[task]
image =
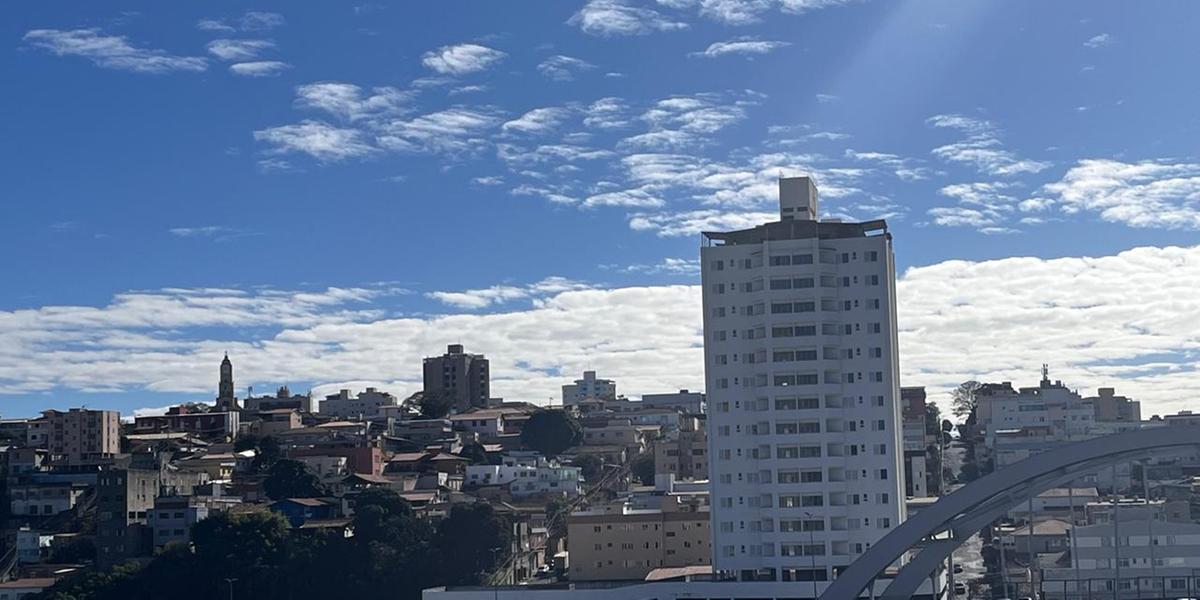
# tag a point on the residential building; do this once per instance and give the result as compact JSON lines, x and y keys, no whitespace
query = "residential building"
{"x":226,"y":397}
{"x":691,"y":403}
{"x":125,"y":498}
{"x":276,"y":421}
{"x":1048,"y":536}
{"x":206,"y":425}
{"x":620,"y":542}
{"x":489,"y":423}
{"x":1110,"y":407}
{"x":618,"y":431}
{"x":20,"y":588}
{"x":81,"y":436}
{"x":422,"y":432}
{"x":1059,"y":503}
{"x":1138,"y":509}
{"x":463,"y":377}
{"x":1050,"y":404}
{"x":283,"y":398}
{"x":588,"y":388}
{"x":44,"y":498}
{"x":171,"y":518}
{"x":527,"y":474}
{"x":365,"y":405}
{"x":916,"y":441}
{"x":801,"y":371}
{"x":682,"y":453}
{"x":1150,"y":559}
{"x":366,"y":460}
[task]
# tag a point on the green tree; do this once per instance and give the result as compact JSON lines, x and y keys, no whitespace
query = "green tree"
{"x":557,"y":510}
{"x":267,"y":452}
{"x":475,"y":453}
{"x":962,"y":399}
{"x":590,"y":466}
{"x":472,"y":541}
{"x":643,"y":468}
{"x":551,"y":432}
{"x":292,"y":479}
{"x":435,"y":404}
{"x":933,"y":418}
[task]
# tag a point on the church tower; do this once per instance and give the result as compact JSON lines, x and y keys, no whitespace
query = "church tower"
{"x":226,"y":401}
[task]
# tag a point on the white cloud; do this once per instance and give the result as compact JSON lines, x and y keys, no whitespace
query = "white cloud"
{"x":239,"y":50}
{"x":111,"y":51}
{"x":320,"y":140}
{"x":743,"y":46}
{"x":1158,"y":194}
{"x":260,"y":21}
{"x":348,"y":102}
{"x":538,"y":121}
{"x":563,"y":68}
{"x":690,"y":223}
{"x":250,"y":21}
{"x":745,"y":12}
{"x":991,"y":320}
{"x":1098,"y":41}
{"x":455,"y":129}
{"x":502,"y":294}
{"x":491,"y":180}
{"x":981,"y":148}
{"x":607,"y":113}
{"x":617,"y":17}
{"x":462,"y":59}
{"x":827,"y":98}
{"x":668,"y":266}
{"x":259,"y":68}
{"x":645,"y":197}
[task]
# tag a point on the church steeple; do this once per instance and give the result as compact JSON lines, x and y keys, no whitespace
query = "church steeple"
{"x":226,"y":401}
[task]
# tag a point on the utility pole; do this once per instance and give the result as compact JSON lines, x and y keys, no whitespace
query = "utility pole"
{"x":812,"y":558}
{"x":230,"y":580}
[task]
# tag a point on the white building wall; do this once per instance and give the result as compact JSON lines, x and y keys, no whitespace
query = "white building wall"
{"x":842,"y":409}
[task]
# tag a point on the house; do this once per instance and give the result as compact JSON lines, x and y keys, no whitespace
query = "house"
{"x":298,"y":511}
{"x":527,"y":475}
{"x":20,"y":588}
{"x":44,"y":498}
{"x":1048,"y":536}
{"x":207,"y":425}
{"x":277,"y":420}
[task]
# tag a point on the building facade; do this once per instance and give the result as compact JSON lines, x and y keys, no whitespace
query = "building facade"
{"x":619,"y":542}
{"x":801,"y":373}
{"x":465,"y":378}
{"x":82,"y":436}
{"x":588,"y":388}
{"x":691,"y":403}
{"x":365,"y":405}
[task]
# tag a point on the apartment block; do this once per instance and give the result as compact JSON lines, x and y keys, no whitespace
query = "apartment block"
{"x":588,"y":388}
{"x":463,"y":377}
{"x":621,"y":542}
{"x":801,"y":372}
{"x":81,"y":436}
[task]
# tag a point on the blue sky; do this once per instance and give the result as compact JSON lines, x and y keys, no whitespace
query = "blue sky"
{"x":331,"y":192}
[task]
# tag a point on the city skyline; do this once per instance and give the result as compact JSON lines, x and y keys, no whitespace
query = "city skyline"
{"x":371,"y":201}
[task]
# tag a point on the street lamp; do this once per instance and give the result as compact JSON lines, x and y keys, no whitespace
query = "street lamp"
{"x":230,"y":580}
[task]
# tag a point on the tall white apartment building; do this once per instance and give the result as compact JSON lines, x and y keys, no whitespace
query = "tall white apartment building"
{"x":801,"y":368}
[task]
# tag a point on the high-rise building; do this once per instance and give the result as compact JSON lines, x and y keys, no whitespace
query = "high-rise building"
{"x":81,"y":435}
{"x":226,"y":399}
{"x":803,"y":402}
{"x":464,"y":377}
{"x":588,"y":388}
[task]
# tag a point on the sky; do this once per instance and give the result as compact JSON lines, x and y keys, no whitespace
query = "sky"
{"x":329,"y":191}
